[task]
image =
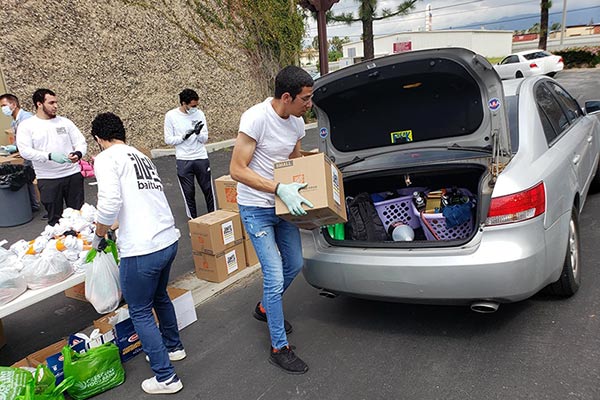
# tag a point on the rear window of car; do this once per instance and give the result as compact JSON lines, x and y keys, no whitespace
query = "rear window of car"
{"x":400,"y":104}
{"x":537,"y":54}
{"x":513,"y":121}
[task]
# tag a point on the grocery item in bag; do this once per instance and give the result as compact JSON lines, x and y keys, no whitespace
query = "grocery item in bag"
{"x":12,"y":285}
{"x":46,"y":269}
{"x":96,"y":371}
{"x":102,"y":287}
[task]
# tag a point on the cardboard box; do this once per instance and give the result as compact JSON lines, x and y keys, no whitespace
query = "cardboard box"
{"x":325,"y":190}
{"x":226,"y":189}
{"x":52,"y":357}
{"x":218,"y":267}
{"x":22,"y":363}
{"x":214,"y":232}
{"x":184,"y":306}
{"x":250,"y":253}
{"x":8,"y":137}
{"x":2,"y":337}
{"x":13,"y":159}
{"x":76,"y":292}
{"x":122,"y":334}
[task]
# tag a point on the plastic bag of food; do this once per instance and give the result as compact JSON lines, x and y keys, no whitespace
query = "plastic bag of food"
{"x":46,"y":269}
{"x":102,"y":287}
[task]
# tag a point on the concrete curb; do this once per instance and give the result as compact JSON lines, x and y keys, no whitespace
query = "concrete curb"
{"x":211,"y":146}
{"x":203,"y":290}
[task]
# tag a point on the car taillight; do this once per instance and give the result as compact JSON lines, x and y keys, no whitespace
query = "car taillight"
{"x":560,"y":60}
{"x":517,"y":207}
{"x":533,"y":65}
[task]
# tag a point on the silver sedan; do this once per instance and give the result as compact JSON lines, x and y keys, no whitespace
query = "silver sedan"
{"x":525,"y":151}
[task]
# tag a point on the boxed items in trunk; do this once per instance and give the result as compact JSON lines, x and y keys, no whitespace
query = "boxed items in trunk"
{"x":423,"y":205}
{"x":325,"y":190}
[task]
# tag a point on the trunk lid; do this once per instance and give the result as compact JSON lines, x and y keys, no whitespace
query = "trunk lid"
{"x":438,"y":99}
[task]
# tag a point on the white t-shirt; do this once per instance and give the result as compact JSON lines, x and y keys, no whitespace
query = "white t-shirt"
{"x":275,"y":138}
{"x":130,"y":191}
{"x":177,"y":125}
{"x":37,"y":137}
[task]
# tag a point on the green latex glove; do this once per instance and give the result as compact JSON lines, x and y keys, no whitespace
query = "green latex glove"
{"x":60,"y":158}
{"x":288,"y":193}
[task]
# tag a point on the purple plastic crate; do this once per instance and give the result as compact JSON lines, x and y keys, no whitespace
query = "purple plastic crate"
{"x":398,"y":209}
{"x":437,"y":223}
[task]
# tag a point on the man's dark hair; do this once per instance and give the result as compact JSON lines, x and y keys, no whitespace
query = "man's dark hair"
{"x":292,"y":79}
{"x":187,"y":96}
{"x":11,"y":98}
{"x":108,"y":126}
{"x":39,"y":96}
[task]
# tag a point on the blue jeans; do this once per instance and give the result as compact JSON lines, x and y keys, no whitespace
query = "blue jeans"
{"x":279,"y":250}
{"x":144,"y":282}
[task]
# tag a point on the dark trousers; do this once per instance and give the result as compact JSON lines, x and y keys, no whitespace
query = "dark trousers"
{"x":55,"y":192}
{"x":187,"y":170}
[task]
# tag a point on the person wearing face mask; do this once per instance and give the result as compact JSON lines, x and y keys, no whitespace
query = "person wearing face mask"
{"x":185,"y":128}
{"x":12,"y":108}
{"x":54,"y":145}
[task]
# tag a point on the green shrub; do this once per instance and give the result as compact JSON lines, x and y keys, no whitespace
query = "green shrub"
{"x":580,"y":57}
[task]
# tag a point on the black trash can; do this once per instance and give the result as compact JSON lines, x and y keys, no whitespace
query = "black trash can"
{"x":15,"y":207}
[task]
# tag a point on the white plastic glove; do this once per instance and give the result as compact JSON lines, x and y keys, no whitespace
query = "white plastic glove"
{"x":288,"y":193}
{"x":11,"y":148}
{"x":60,"y":158}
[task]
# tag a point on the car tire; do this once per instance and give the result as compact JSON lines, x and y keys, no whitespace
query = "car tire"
{"x":570,"y":277}
{"x":519,"y":74}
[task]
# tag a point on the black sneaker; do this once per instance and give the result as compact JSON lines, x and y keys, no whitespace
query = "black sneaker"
{"x":287,"y":360}
{"x":261,"y":315}
{"x":45,"y":216}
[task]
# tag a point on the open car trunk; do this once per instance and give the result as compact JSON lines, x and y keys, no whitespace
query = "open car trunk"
{"x":392,"y":195}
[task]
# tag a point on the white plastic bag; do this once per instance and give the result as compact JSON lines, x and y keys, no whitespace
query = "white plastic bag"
{"x":12,"y":283}
{"x":46,"y":269}
{"x":102,"y":287}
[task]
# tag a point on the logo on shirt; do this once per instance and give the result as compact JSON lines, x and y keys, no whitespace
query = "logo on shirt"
{"x":61,"y":130}
{"x":145,"y":171}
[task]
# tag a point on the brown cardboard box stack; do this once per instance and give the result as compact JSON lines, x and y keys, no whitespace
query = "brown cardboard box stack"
{"x":325,"y":190}
{"x":217,"y":245}
{"x":226,"y":189}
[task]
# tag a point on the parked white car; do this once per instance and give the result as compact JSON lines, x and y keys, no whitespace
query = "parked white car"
{"x":529,"y":63}
{"x":523,"y":151}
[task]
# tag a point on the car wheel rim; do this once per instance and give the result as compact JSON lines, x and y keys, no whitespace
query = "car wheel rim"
{"x":573,"y":248}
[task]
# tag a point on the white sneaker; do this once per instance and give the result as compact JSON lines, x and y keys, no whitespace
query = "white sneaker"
{"x":176,"y":355}
{"x":170,"y":386}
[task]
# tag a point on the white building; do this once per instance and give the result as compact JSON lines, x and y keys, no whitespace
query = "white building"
{"x":486,"y":43}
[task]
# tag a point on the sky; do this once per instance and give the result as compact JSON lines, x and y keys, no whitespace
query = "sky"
{"x":461,"y":14}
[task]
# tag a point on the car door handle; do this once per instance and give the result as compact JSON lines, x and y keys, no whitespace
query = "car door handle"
{"x":576,"y":159}
{"x":589,"y":139}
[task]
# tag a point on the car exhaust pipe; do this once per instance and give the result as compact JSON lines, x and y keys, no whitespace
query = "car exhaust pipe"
{"x":485,"y":307}
{"x":327,"y":294}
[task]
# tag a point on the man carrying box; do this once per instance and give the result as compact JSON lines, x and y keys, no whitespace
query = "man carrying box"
{"x":130,"y":191}
{"x":269,"y":132}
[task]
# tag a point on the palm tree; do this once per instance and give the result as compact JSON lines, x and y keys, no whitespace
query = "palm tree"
{"x":545,"y":4}
{"x":367,"y":13}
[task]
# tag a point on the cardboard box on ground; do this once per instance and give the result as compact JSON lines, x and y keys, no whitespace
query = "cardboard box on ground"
{"x":217,"y":245}
{"x":122,"y":334}
{"x":325,"y":190}
{"x":226,"y":189}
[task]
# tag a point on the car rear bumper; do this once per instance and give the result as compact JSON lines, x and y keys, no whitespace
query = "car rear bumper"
{"x":500,"y":264}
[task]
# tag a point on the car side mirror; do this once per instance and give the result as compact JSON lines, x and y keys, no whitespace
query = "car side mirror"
{"x":592,"y":106}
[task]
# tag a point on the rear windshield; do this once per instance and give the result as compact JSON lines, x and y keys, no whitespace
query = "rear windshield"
{"x":537,"y":54}
{"x":401,"y":104}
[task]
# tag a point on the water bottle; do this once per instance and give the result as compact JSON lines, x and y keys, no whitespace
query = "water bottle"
{"x":401,"y":232}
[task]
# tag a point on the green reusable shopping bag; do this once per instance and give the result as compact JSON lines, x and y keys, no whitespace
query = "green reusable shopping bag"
{"x":43,"y":390}
{"x":95,"y":371}
{"x":13,"y":382}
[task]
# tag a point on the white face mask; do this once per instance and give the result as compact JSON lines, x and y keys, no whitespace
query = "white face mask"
{"x":6,"y":111}
{"x":192,"y":110}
